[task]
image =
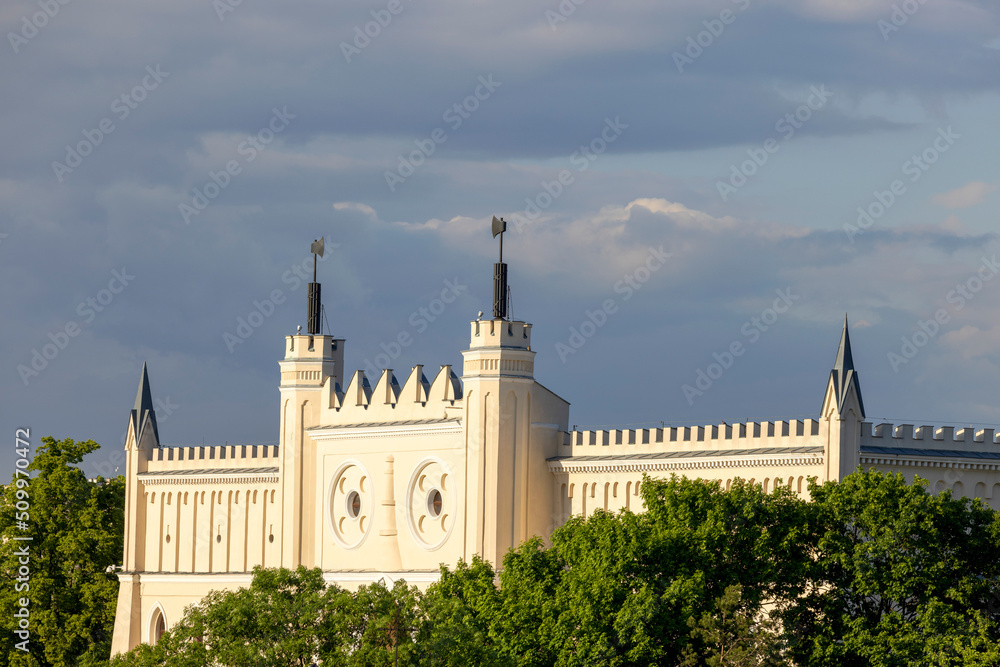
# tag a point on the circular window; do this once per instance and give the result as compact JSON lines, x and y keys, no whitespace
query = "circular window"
{"x":353,"y":504}
{"x":434,"y":503}
{"x":350,"y":505}
{"x":430,"y":504}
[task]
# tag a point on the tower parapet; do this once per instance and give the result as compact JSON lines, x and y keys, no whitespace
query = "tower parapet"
{"x":310,"y":360}
{"x":499,"y":348}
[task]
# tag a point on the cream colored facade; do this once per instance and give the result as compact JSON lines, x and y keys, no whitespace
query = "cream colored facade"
{"x":388,"y":481}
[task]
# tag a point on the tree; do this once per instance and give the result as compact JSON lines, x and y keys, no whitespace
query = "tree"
{"x":619,"y":589}
{"x":459,"y":612}
{"x":285,"y":618}
{"x":733,"y":637}
{"x":901,"y":577}
{"x":77,"y":530}
{"x":377,"y":627}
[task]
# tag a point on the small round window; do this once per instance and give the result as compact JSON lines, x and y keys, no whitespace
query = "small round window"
{"x":434,"y":503}
{"x":353,"y":504}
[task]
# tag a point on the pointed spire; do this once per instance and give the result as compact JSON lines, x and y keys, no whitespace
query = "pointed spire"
{"x":845,"y":361}
{"x":844,"y":375}
{"x":144,"y":404}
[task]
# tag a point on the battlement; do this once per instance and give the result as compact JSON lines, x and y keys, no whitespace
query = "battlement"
{"x":929,"y":437}
{"x":500,"y":333}
{"x":749,"y":435}
{"x":417,"y":398}
{"x":212,"y":457}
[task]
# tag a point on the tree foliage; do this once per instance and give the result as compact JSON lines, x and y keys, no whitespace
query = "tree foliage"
{"x":901,"y":577}
{"x":872,"y":571}
{"x":77,"y":529}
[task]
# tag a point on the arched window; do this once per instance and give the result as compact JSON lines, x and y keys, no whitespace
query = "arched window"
{"x":157,"y":625}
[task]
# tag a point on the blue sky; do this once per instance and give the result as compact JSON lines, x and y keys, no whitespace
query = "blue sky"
{"x":172,"y":162}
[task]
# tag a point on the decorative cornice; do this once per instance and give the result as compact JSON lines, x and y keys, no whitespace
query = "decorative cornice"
{"x":362,"y":576}
{"x":385,"y":430}
{"x":929,"y":463}
{"x":268,"y":475}
{"x":645,"y":465}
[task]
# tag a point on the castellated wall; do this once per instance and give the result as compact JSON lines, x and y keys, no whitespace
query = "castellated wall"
{"x":966,"y":461}
{"x":604,"y":469}
{"x":210,"y":509}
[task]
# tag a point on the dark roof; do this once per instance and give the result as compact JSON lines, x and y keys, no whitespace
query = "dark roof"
{"x":144,"y":404}
{"x":844,"y":374}
{"x":757,"y":451}
{"x":212,"y":471}
{"x":408,"y":422}
{"x":908,"y":451}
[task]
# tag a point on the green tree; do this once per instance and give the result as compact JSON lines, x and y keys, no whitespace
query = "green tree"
{"x":77,"y":529}
{"x":618,"y":589}
{"x":377,"y":626}
{"x":458,"y":613}
{"x":901,"y":577}
{"x":732,"y":637}
{"x":284,"y":619}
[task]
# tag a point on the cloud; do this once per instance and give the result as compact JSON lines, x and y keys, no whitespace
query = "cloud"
{"x":968,"y":195}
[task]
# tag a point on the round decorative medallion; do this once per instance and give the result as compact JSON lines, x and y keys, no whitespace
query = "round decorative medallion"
{"x":351,"y":504}
{"x":430,"y":503}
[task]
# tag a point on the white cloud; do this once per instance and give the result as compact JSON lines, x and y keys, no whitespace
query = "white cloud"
{"x":968,"y":195}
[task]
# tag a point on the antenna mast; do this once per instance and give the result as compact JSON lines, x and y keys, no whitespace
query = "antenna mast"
{"x":314,"y":323}
{"x":499,"y":274}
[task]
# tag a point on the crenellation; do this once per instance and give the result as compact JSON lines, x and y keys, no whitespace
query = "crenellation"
{"x":945,"y":433}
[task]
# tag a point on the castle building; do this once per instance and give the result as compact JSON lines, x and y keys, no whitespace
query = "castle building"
{"x":376,"y":480}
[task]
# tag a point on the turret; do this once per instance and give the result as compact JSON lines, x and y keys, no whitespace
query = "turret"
{"x":313,"y":367}
{"x":498,"y":377}
{"x":142,"y":438}
{"x":844,"y":409}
